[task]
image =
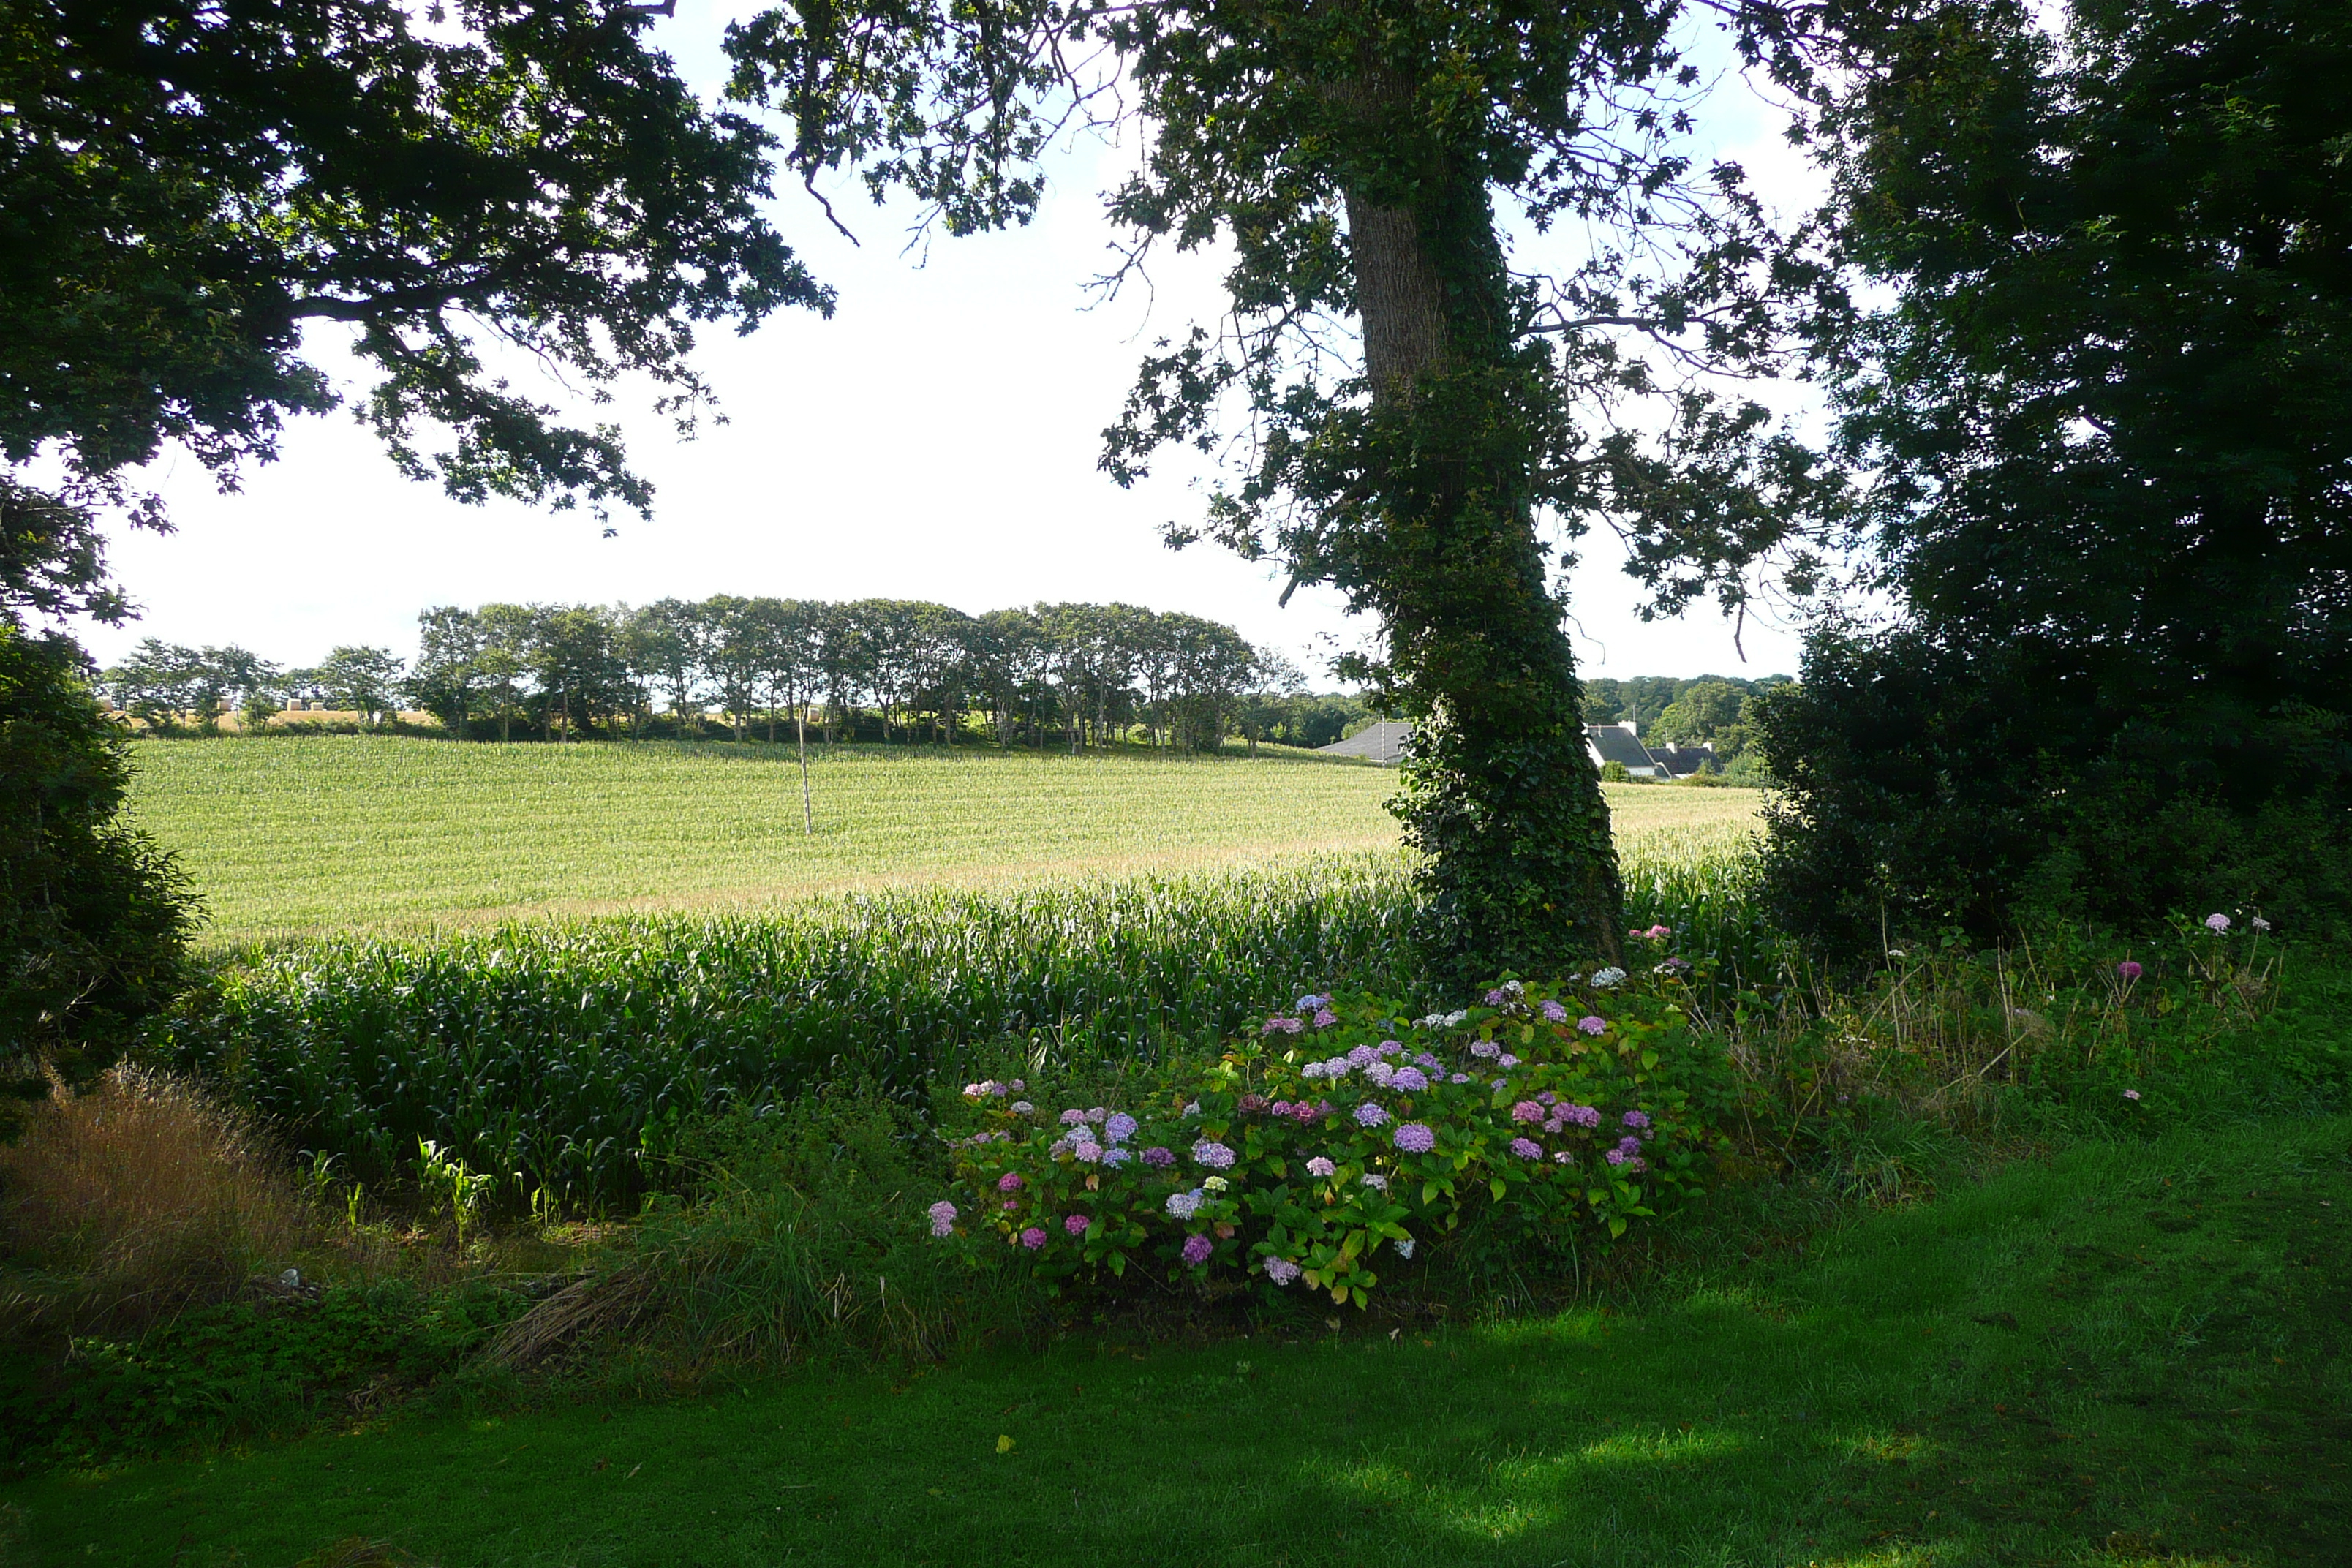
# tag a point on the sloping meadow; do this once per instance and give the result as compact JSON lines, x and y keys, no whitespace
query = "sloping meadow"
{"x":566,"y":1057}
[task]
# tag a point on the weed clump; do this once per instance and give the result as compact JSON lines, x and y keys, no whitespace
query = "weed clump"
{"x":142,"y":1196}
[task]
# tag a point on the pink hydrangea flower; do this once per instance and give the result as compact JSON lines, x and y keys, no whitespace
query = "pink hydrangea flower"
{"x":1010,"y":1182}
{"x":1526,"y":1111}
{"x":1320,"y":1166}
{"x":943,"y":1217}
{"x":1591,"y":1025}
{"x":1076,"y":1225}
{"x":2129,"y":970}
{"x":1033,"y":1238}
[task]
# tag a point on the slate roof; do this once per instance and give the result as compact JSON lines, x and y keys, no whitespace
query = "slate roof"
{"x":1681,"y":762}
{"x":1382,"y":743}
{"x":1618,"y":744}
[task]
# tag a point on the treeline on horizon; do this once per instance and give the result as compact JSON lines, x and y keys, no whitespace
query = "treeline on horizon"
{"x":865,"y":669}
{"x":760,"y":667}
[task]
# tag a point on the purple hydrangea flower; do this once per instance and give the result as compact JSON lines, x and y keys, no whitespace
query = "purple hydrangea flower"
{"x":1197,"y":1250}
{"x":1326,"y":1018}
{"x":1459,"y":1078}
{"x":1157,"y":1158}
{"x":1371,"y":1114}
{"x":1362,"y":1056}
{"x":1281,"y":1271}
{"x":1526,"y":1111}
{"x":1629,"y":1144}
{"x":1592,"y":1025}
{"x":1615,"y":1156}
{"x":1555,"y":1013}
{"x":1496,"y":998}
{"x":1484,"y":1049}
{"x":943,"y":1217}
{"x":1214,"y":1155}
{"x":1282,"y":1027}
{"x":2217,"y":923}
{"x":1033,"y":1238}
{"x":1022,"y":1108}
{"x":1320,"y":1166}
{"x":1389,"y":1048}
{"x":1506,"y":1060}
{"x":1409,"y":1081}
{"x":1120,"y":1127}
{"x":1637,"y":1119}
{"x":1414,"y":1138}
{"x":1116,"y":1156}
{"x":1073,"y":1119}
{"x":1430,"y":1063}
{"x":1380,"y":1073}
{"x":1312,"y":1070}
{"x":1313,"y":1002}
{"x":1184,"y":1205}
{"x":1076,"y":1225}
{"x":1010,"y":1182}
{"x":1526,"y":1148}
{"x":1087,"y":1150}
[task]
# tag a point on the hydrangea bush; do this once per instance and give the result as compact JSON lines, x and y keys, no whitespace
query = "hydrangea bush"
{"x":1558,"y":1115}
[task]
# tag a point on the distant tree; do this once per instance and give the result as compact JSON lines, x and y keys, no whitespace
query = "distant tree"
{"x":665,"y":645}
{"x":362,"y":680}
{"x":157,"y":683}
{"x":1700,"y":710}
{"x":448,"y":680}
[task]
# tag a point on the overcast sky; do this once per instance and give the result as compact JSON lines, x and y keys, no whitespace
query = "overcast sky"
{"x":936,"y":439}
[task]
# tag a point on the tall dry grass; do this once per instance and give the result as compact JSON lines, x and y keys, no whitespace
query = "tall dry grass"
{"x":136,"y":1199}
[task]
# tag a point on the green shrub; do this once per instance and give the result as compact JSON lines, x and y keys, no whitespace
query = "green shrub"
{"x":800,"y":1236}
{"x":1542,"y":1121}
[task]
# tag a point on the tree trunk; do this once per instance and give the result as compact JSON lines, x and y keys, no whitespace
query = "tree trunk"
{"x":1500,"y":795}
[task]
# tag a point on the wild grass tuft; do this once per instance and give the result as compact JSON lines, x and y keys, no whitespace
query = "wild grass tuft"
{"x":137,"y":1199}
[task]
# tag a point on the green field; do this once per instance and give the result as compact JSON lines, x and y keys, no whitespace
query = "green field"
{"x":297,"y":836}
{"x":2130,"y":1357}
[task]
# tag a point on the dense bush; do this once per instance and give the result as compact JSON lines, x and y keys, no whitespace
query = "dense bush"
{"x":1543,"y":1120}
{"x":94,"y":917}
{"x":1925,"y":784}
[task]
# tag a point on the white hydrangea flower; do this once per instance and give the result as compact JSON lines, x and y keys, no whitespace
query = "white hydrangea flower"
{"x":1606,"y":978}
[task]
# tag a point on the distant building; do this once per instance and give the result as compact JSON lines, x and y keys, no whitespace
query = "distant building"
{"x":1384,"y":742}
{"x":1621,"y":744}
{"x":1380,"y":742}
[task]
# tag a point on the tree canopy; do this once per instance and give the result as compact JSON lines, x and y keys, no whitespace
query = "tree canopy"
{"x":185,"y":189}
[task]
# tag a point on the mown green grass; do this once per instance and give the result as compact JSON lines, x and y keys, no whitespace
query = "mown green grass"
{"x":2133,"y":1354}
{"x":297,"y":836}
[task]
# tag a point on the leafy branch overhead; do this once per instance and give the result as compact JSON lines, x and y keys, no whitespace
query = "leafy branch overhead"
{"x":186,"y":186}
{"x":1260,"y":125}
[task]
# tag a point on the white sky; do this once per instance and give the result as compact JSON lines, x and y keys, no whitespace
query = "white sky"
{"x":936,"y":439}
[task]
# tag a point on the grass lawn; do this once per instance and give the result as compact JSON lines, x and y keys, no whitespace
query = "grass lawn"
{"x":293,"y":837}
{"x":2133,"y":1354}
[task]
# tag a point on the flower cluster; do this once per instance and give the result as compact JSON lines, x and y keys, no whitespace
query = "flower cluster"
{"x":1340,"y":1136}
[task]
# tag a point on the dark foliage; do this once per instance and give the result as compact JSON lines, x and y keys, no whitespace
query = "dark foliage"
{"x":93,"y":916}
{"x":2109,"y":416}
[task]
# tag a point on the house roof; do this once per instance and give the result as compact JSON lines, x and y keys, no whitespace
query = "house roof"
{"x":1382,"y":743}
{"x":1618,"y":744}
{"x":1681,"y":762}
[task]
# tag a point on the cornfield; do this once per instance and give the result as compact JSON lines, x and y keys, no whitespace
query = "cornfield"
{"x":567,"y":1055}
